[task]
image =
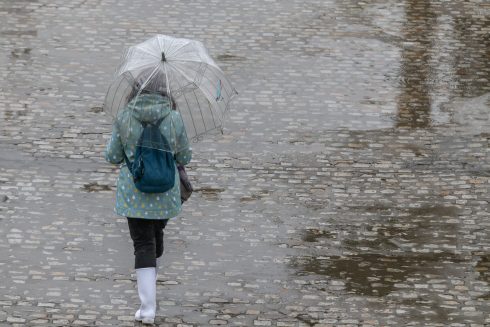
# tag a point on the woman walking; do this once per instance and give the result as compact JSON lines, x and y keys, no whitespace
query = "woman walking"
{"x":151,"y":134}
{"x":147,"y":213}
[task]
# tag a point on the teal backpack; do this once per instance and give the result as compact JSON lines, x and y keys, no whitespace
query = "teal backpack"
{"x":153,"y":169}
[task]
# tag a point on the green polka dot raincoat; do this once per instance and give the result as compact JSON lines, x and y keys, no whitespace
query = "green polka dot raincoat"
{"x":127,"y":128}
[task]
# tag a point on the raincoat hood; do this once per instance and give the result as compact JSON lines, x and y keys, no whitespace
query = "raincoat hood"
{"x":148,"y":108}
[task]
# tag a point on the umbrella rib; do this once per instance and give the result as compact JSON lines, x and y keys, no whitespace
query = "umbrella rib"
{"x":209,"y":106}
{"x":188,"y":107}
{"x":187,"y":76}
{"x":113,"y":97}
{"x":176,"y":68}
{"x":221,"y":120}
{"x":198,"y":61}
{"x":182,"y":72}
{"x":223,"y":79}
{"x":228,"y":95}
{"x":184,"y":132}
{"x":152,"y":74}
{"x":119,"y":105}
{"x":200,"y":110}
{"x":212,"y":115}
{"x":175,"y":50}
{"x":167,"y":82}
{"x":121,"y":99}
{"x":146,"y":51}
{"x":164,"y":46}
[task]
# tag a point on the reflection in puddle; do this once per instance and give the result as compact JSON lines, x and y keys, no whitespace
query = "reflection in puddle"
{"x":427,"y":73}
{"x":438,"y":211}
{"x":414,"y":100}
{"x":230,"y":57}
{"x":404,"y":228}
{"x":95,"y":187}
{"x":210,"y":193}
{"x":473,"y":56}
{"x":398,"y":231}
{"x":371,"y":274}
{"x":96,"y":109}
{"x":21,"y":53}
{"x":483,"y":269}
{"x":255,"y":196}
{"x":314,"y":235}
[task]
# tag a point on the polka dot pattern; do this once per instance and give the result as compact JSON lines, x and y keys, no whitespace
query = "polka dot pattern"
{"x":130,"y":202}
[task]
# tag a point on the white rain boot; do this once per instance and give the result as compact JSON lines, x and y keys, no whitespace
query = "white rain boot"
{"x":145,"y":278}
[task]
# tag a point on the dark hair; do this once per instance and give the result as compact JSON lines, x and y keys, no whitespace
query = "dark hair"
{"x":163,"y":93}
{"x":154,"y":82}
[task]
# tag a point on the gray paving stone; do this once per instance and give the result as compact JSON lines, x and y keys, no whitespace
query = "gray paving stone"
{"x":350,"y":188}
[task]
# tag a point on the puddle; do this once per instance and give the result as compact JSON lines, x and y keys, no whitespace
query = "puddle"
{"x":314,"y":235}
{"x":210,"y":193}
{"x":378,"y":275}
{"x":230,"y":57}
{"x":308,"y":320}
{"x":254,"y":197}
{"x":251,"y":198}
{"x":385,"y":246}
{"x":422,"y":308}
{"x":96,"y":109}
{"x":414,"y":100}
{"x":483,"y":269}
{"x":434,"y":210}
{"x":417,"y":150}
{"x":371,"y":274}
{"x":425,"y":82}
{"x":21,"y":53}
{"x":437,"y":210}
{"x":405,"y":228}
{"x":95,"y":187}
{"x":471,"y":61}
{"x":358,"y":145}
{"x":374,"y":208}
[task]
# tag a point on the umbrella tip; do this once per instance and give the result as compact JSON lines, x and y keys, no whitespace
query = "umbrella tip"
{"x":163,"y":56}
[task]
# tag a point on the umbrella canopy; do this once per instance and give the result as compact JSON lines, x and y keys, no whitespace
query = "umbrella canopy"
{"x":165,"y":73}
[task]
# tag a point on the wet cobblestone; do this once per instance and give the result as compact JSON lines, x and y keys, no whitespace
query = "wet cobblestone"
{"x":350,"y":189}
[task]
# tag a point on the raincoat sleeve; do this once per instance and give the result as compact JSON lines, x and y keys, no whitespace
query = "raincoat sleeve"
{"x":184,"y":152}
{"x":114,"y":149}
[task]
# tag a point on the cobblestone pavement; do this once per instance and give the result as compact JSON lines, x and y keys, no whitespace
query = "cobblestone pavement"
{"x":351,"y":187}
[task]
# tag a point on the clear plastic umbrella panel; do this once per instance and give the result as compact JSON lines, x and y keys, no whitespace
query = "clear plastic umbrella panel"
{"x":165,"y":74}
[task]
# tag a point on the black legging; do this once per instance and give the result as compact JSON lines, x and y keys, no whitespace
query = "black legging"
{"x":147,"y":236}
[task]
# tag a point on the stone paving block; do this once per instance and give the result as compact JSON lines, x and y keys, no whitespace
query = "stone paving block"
{"x":350,"y":187}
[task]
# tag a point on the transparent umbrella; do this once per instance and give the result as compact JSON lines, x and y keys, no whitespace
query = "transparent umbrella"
{"x":165,"y":73}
